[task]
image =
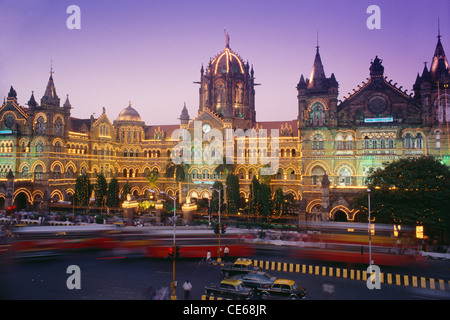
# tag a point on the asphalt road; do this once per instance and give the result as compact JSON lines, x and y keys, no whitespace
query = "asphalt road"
{"x":110,"y":278}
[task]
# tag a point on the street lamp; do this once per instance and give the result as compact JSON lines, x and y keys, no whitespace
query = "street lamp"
{"x":174,"y":220}
{"x":370,"y":229}
{"x":219,"y":191}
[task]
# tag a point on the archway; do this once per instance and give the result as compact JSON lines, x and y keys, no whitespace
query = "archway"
{"x":340,"y":216}
{"x":21,"y":201}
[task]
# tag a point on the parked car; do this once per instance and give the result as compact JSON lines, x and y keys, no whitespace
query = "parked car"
{"x":240,"y":266}
{"x":229,"y":289}
{"x":257,"y":280}
{"x":283,"y":289}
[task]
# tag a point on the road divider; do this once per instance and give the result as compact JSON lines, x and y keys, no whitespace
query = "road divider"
{"x":354,"y":274}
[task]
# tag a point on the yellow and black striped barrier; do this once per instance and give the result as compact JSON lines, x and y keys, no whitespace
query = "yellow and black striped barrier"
{"x":354,"y":274}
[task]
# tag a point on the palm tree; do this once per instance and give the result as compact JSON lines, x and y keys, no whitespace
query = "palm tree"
{"x":177,"y":171}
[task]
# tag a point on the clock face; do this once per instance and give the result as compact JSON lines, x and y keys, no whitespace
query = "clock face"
{"x":377,"y":105}
{"x":9,"y":121}
{"x":206,"y":127}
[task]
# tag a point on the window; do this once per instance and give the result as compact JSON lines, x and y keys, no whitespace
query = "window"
{"x":40,"y":127}
{"x":418,"y":143}
{"x":58,"y":126}
{"x":438,"y":140}
{"x":39,"y":146}
{"x":317,"y":115}
{"x":408,"y":141}
{"x":317,"y":142}
{"x":344,"y":177}
{"x":38,"y":172}
{"x":316,"y":175}
{"x":25,"y":172}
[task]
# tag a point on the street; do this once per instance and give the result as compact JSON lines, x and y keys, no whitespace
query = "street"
{"x":104,"y":277}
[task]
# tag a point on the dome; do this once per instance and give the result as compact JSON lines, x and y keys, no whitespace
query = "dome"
{"x":129,"y":114}
{"x":225,"y":62}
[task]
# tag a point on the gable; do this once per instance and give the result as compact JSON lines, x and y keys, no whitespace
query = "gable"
{"x":378,"y":101}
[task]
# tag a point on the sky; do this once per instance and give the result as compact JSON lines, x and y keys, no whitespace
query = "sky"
{"x":150,"y":52}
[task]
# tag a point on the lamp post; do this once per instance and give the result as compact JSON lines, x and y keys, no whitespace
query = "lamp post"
{"x":370,"y":229}
{"x":174,"y":220}
{"x":219,"y":191}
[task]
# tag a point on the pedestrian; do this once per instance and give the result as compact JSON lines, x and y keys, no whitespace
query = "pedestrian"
{"x":226,"y":251}
{"x":208,"y":256}
{"x":187,"y":287}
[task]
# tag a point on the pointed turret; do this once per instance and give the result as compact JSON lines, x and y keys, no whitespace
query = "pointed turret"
{"x":32,"y":102}
{"x":67,"y":103}
{"x":50,"y":97}
{"x":317,"y":77}
{"x":439,"y":64}
{"x":12,"y":93}
{"x":184,"y":117}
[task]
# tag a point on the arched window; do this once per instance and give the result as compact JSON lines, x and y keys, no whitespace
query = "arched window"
{"x":38,"y":173}
{"x":56,"y":172}
{"x":339,"y":143}
{"x":39,"y":146}
{"x":194,"y":174}
{"x":316,"y":175}
{"x":317,"y":142}
{"x":344,"y":177}
{"x":349,"y":142}
{"x":408,"y":141}
{"x":366,"y":143}
{"x":58,"y":126}
{"x":40,"y":127}
{"x":438,"y":139}
{"x":25,"y":172}
{"x":317,"y":116}
{"x":418,"y":143}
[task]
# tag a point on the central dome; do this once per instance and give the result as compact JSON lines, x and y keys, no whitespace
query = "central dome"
{"x":129,"y":114}
{"x":225,"y":62}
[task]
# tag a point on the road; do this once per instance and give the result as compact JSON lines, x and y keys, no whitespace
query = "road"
{"x":113,"y":278}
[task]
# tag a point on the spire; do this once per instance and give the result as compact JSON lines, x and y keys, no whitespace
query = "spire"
{"x":67,"y":103}
{"x":12,"y":93}
{"x":50,"y":96}
{"x":439,"y":63}
{"x":32,"y":102}
{"x":317,"y":74}
{"x":184,"y":117}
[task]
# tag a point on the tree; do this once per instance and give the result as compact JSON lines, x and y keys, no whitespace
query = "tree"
{"x":112,"y":198}
{"x":264,"y":200}
{"x":233,"y":198}
{"x":82,"y":190}
{"x":100,"y":190}
{"x":215,"y":197}
{"x":412,"y":191}
{"x":254,"y":197}
{"x":278,"y":202}
{"x":152,"y":178}
{"x":125,"y":191}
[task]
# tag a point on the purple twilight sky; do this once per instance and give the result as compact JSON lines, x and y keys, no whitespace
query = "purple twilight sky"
{"x":151,"y":52}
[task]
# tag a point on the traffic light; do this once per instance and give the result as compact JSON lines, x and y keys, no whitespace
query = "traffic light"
{"x":11,"y":209}
{"x":222,"y":229}
{"x":170,"y":253}
{"x":177,"y":252}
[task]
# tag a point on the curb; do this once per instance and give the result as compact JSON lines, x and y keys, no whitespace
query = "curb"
{"x":353,"y":274}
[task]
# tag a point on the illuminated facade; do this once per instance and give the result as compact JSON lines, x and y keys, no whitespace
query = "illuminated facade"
{"x":323,"y":156}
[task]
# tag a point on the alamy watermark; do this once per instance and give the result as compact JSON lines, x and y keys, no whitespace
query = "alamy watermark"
{"x":373,"y":277}
{"x":209,"y":146}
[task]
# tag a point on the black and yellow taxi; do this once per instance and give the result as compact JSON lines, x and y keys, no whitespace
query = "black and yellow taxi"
{"x":229,"y":289}
{"x":283,"y":289}
{"x":240,"y":266}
